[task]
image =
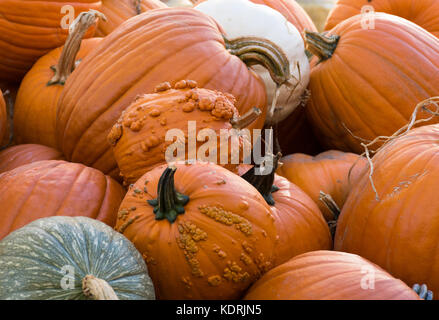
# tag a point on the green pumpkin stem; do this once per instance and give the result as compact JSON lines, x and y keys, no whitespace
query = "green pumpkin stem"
{"x":169,"y":203}
{"x":321,"y":45}
{"x":253,"y":50}
{"x":67,"y":60}
{"x":423,"y":291}
{"x":264,"y":183}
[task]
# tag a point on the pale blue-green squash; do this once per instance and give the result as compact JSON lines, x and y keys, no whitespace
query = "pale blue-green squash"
{"x":50,"y":257}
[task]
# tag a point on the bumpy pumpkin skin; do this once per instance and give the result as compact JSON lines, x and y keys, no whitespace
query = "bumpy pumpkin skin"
{"x":104,"y":84}
{"x":299,"y":222}
{"x":138,"y":137}
{"x":364,"y":88}
{"x":3,"y":119}
{"x":48,"y":188}
{"x":328,"y":275}
{"x":333,"y":172}
{"x":204,"y":254}
{"x":36,"y":103}
{"x":118,"y":11}
{"x":423,"y":13}
{"x":398,"y":232}
{"x":90,"y":247}
{"x":25,"y":36}
{"x":23,"y":154}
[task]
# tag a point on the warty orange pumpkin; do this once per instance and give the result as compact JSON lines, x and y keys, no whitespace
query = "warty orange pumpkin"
{"x":424,"y":13}
{"x":329,"y":275}
{"x":204,"y":234}
{"x":179,"y":43}
{"x":117,"y":11}
{"x":396,"y":226}
{"x":299,"y":223}
{"x":22,"y":154}
{"x":56,"y":188}
{"x":369,"y":81}
{"x":37,"y":98}
{"x":140,"y":137}
{"x":30,"y":29}
{"x":332,"y":172}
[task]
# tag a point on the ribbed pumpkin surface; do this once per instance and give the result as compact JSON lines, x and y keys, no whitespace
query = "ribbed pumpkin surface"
{"x":29,"y":29}
{"x":49,"y":188}
{"x":168,"y":44}
{"x":22,"y":154}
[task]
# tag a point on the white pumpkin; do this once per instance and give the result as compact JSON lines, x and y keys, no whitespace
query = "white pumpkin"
{"x":178,"y":3}
{"x":244,"y":19}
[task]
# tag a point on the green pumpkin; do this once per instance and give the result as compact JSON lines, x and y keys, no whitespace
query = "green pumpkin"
{"x":71,"y":258}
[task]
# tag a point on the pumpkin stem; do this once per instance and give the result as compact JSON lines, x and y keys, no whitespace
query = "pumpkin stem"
{"x":333,"y":207}
{"x":423,"y":291}
{"x":320,"y":44}
{"x":253,"y":50}
{"x":246,"y":119}
{"x":137,"y":4}
{"x":264,"y":183}
{"x":67,"y":60}
{"x":169,"y":202}
{"x":97,"y":289}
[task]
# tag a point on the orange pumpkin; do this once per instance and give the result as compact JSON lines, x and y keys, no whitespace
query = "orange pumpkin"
{"x":53,"y":188}
{"x":333,"y":172}
{"x":37,"y":98}
{"x":369,"y":81}
{"x":3,"y":119}
{"x":299,"y":223}
{"x":329,"y":275}
{"x":292,"y":11}
{"x":139,"y":138}
{"x":19,"y":155}
{"x":180,"y":43}
{"x":118,"y":11}
{"x":397,"y":230}
{"x":205,"y":234}
{"x":424,"y":13}
{"x":30,"y":29}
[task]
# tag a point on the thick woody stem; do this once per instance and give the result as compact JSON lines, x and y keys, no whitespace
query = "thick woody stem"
{"x":97,"y":289}
{"x":137,"y":4}
{"x":321,"y":45}
{"x":333,"y":207}
{"x":246,"y":119}
{"x":253,"y":50}
{"x":67,"y":60}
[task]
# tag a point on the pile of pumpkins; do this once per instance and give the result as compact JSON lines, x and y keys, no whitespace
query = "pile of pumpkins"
{"x":90,"y":208}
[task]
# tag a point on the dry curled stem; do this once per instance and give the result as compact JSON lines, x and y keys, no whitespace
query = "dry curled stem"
{"x":423,"y":106}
